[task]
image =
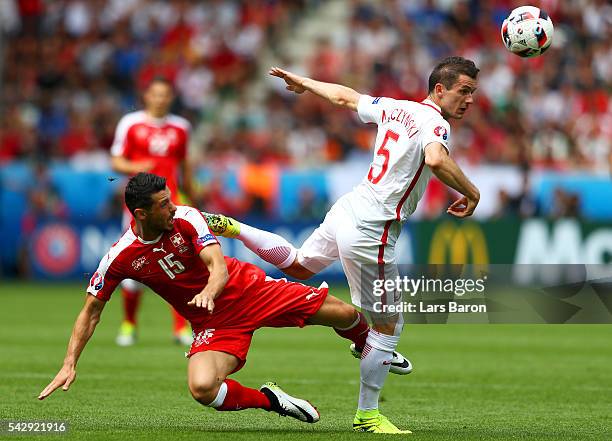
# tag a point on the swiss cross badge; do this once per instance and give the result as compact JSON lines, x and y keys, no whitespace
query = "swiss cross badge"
{"x":177,"y":240}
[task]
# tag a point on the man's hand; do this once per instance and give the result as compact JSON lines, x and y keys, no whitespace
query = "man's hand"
{"x":294,"y":82}
{"x":203,"y":300}
{"x":64,"y":378}
{"x":145,"y":165}
{"x":463,"y":207}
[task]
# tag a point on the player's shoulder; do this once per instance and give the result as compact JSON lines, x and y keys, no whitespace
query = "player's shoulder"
{"x":132,"y":118}
{"x":119,"y":249}
{"x":178,"y":121}
{"x":189,"y":214}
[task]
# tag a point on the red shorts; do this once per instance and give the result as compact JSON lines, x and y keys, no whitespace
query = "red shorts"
{"x":274,"y":303}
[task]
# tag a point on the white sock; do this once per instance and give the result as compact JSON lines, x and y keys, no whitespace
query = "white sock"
{"x":374,"y":367}
{"x":269,"y":246}
{"x":220,"y":398}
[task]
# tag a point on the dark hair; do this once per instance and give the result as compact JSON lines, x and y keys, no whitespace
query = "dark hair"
{"x":140,"y":188}
{"x":160,"y":79}
{"x":449,"y":69}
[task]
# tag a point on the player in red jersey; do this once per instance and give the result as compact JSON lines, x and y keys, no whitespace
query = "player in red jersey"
{"x":171,"y":250}
{"x":152,"y":140}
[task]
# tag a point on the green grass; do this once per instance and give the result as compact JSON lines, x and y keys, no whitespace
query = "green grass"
{"x":470,"y":382}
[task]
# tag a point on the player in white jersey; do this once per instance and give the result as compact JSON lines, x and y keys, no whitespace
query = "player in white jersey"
{"x":362,"y":227}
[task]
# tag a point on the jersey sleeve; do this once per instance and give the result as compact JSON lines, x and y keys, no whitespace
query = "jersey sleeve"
{"x":436,"y":130}
{"x":121,"y":135}
{"x":370,"y":109}
{"x":105,"y":279}
{"x":200,"y":234}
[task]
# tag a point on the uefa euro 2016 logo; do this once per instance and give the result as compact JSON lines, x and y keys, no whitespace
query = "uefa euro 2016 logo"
{"x":441,"y":131}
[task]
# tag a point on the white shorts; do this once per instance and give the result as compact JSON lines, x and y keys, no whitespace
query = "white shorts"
{"x":366,"y":260}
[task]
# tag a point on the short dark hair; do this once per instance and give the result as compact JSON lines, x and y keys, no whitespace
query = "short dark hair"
{"x":448,"y":70}
{"x":140,"y":188}
{"x":160,"y":79}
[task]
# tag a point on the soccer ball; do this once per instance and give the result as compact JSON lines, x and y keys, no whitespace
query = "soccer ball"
{"x":527,"y":32}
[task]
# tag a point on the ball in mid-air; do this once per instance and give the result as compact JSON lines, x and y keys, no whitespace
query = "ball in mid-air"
{"x":527,"y":32}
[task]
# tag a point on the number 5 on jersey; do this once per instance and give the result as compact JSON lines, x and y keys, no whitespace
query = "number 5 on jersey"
{"x":171,"y":267}
{"x":385,"y":153}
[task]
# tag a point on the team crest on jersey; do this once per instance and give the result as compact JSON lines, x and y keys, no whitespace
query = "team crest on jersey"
{"x":441,"y":131}
{"x":139,"y":263}
{"x":177,"y":240}
{"x":203,"y":337}
{"x":97,"y":281}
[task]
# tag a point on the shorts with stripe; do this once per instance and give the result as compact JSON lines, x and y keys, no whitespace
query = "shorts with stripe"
{"x":367,"y":256}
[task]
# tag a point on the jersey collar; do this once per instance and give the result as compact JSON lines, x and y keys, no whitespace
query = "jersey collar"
{"x":430,"y":103}
{"x":140,"y":239}
{"x":156,"y":121}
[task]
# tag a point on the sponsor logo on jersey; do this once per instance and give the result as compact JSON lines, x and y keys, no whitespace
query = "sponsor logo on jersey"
{"x":441,"y":132}
{"x":97,"y":281}
{"x":177,"y":240}
{"x":376,"y":100}
{"x":160,"y":249}
{"x":203,"y":337}
{"x":206,"y":238}
{"x":139,"y":263}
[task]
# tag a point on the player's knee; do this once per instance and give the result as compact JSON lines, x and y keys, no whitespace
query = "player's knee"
{"x":297,"y":271}
{"x":205,"y":390}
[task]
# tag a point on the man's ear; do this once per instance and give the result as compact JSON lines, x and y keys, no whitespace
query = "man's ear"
{"x":140,"y":214}
{"x":439,"y":90}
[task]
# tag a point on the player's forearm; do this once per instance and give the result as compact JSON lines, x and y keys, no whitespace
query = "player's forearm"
{"x":217,"y":280}
{"x":335,"y":93}
{"x":125,"y":166}
{"x":81,"y":333}
{"x":450,"y":174}
{"x":121,"y":165}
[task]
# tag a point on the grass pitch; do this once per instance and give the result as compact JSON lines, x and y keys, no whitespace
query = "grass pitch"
{"x":470,"y":382}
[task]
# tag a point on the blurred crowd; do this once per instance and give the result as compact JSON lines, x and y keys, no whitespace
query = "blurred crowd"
{"x":71,"y":68}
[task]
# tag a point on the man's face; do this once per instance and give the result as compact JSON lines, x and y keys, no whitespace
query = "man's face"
{"x":160,"y":217}
{"x":456,"y":100}
{"x":158,"y":99}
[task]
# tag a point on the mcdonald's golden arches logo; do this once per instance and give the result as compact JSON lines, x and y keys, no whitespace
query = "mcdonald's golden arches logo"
{"x":454,"y":243}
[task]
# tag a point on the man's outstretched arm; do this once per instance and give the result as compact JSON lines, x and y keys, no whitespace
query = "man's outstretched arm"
{"x":334,"y":93}
{"x":83,"y":329}
{"x":447,"y":170}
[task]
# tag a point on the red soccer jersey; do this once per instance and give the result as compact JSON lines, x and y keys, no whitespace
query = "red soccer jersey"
{"x":140,"y":137}
{"x":170,"y":265}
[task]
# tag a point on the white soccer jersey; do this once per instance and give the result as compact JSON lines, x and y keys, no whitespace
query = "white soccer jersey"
{"x":397,"y":177}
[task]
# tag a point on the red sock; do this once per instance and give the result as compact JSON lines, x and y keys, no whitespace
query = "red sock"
{"x":357,"y":333}
{"x":239,"y":397}
{"x":179,"y":321}
{"x":131,"y":301}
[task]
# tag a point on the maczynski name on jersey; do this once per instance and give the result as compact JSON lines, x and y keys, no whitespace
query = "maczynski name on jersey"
{"x":402,"y":117}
